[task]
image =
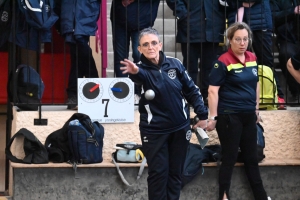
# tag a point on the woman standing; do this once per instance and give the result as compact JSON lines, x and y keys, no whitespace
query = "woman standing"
{"x":164,"y":114}
{"x":233,"y":98}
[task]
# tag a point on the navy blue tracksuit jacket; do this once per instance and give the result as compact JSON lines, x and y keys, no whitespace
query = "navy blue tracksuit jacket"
{"x":168,"y":111}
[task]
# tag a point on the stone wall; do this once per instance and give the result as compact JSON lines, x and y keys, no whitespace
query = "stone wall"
{"x":281,"y":183}
{"x":282,"y":131}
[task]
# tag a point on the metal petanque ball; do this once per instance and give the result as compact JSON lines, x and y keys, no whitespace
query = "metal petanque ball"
{"x":149,"y":95}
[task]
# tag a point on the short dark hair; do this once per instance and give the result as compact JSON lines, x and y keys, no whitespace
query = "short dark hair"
{"x":147,"y":31}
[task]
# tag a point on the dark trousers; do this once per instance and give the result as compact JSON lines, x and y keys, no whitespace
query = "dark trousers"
{"x":234,"y":131}
{"x":262,"y":46}
{"x":207,"y":52}
{"x":82,"y":64}
{"x":286,"y":50}
{"x":122,"y":36}
{"x":165,"y":155}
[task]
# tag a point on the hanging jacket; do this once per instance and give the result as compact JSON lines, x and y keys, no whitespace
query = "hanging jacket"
{"x":138,"y":15}
{"x":286,"y":23}
{"x":5,"y":20}
{"x":78,"y":18}
{"x":258,"y":17}
{"x":206,"y":19}
{"x":34,"y":20}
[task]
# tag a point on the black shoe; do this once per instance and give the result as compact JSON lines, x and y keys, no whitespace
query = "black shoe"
{"x":72,"y":103}
{"x":293,"y":98}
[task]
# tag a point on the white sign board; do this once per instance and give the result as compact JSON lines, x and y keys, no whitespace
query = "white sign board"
{"x":106,"y":100}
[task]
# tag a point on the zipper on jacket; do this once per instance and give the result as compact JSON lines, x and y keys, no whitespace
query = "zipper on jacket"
{"x":161,"y":74}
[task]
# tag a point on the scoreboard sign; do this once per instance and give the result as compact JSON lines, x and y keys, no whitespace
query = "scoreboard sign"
{"x":106,"y":100}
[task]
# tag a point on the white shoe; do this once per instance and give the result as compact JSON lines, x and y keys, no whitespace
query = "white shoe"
{"x":269,"y":198}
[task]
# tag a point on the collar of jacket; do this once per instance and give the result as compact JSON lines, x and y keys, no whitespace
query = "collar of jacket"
{"x":247,"y":56}
{"x":147,"y":62}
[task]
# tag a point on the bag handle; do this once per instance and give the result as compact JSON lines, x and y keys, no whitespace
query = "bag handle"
{"x":28,"y":135}
{"x":88,"y":124}
{"x":129,"y":146}
{"x":139,"y":156}
{"x":143,"y":163}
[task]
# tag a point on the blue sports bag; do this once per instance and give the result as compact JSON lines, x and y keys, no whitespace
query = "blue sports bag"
{"x":85,"y":141}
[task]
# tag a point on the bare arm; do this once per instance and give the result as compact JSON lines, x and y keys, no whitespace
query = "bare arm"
{"x":213,"y":99}
{"x":295,"y":73}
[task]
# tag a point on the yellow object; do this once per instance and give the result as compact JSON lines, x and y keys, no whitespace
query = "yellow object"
{"x":268,"y":88}
{"x":139,"y":155}
{"x":29,"y":94}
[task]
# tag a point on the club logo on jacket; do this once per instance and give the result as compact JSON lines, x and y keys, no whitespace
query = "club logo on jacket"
{"x":4,"y":16}
{"x":254,"y":71}
{"x":47,"y":8}
{"x":172,"y":73}
{"x":188,"y":135}
{"x":145,"y":139}
{"x":238,"y":71}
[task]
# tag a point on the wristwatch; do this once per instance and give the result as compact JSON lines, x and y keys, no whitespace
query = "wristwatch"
{"x":213,"y":118}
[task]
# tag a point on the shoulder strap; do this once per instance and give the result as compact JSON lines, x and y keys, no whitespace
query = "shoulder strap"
{"x":73,"y":146}
{"x":13,"y":82}
{"x":129,"y":146}
{"x":144,"y":161}
{"x":28,"y":135}
{"x":88,"y":124}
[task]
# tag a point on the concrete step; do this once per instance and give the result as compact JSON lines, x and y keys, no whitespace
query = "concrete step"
{"x":280,"y":177}
{"x":163,"y":26}
{"x":169,"y":43}
{"x":6,"y":198}
{"x":163,"y":10}
{"x":280,"y":182}
{"x":110,"y":65}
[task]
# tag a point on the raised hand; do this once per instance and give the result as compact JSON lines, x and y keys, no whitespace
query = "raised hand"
{"x":129,"y":67}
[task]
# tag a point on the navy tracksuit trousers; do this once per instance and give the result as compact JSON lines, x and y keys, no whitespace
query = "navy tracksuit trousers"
{"x":165,"y":155}
{"x":234,"y":131}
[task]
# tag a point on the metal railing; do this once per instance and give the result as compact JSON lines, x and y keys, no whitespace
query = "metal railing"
{"x":53,"y":59}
